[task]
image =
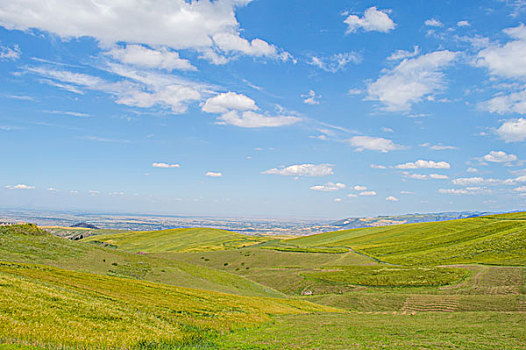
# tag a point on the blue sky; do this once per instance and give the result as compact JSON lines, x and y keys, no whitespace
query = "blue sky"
{"x":263,"y":108}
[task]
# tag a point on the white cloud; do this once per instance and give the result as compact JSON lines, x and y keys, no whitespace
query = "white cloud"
{"x":468,"y":181}
{"x":213,"y":174}
{"x":472,"y":170}
{"x":425,"y":176}
{"x":311,"y":98}
{"x":514,"y":102}
{"x":372,"y":20}
{"x":520,"y":189}
{"x":368,"y":193}
{"x":52,"y":189}
{"x":227,"y":101}
{"x":314,"y":170}
{"x":403,"y":54}
{"x":144,"y":57}
{"x":205,"y":26}
{"x":467,"y":190}
{"x":424,"y":164}
{"x":9,"y":54}
{"x":411,"y":81}
{"x":391,"y":198}
{"x":359,"y":188}
{"x":499,"y":157}
{"x":335,"y":63}
{"x":352,"y":195}
{"x":433,"y":22}
{"x":251,"y":119}
{"x":355,"y":92}
{"x":513,"y":130}
{"x":337,"y":200}
{"x":329,"y":187}
{"x":508,"y":60}
{"x":373,"y":143}
{"x":141,"y":89}
{"x":463,"y":24}
{"x":238,"y":110}
{"x":377,"y":166}
{"x":438,"y":147}
{"x":20,"y":187}
{"x":165,"y":165}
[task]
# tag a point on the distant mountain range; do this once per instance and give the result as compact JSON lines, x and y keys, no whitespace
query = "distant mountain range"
{"x":353,"y":222}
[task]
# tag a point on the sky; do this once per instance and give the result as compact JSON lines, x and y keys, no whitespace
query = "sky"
{"x":311,"y":109}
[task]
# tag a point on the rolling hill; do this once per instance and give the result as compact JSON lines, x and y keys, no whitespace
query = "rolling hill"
{"x":60,"y":308}
{"x":29,"y":244}
{"x":177,"y":240}
{"x":495,"y":239}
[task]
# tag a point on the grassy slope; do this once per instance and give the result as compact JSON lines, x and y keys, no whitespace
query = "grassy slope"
{"x":28,"y":245}
{"x":175,"y":240}
{"x":497,"y":239}
{"x":45,"y":305}
{"x":468,"y":330}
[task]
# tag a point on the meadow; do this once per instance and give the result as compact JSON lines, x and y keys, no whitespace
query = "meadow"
{"x":442,"y":285}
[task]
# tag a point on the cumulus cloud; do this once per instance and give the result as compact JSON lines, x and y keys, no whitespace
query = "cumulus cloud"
{"x":313,"y":170}
{"x":329,"y":187}
{"x":251,"y":119}
{"x":165,"y":165}
{"x":368,"y":193}
{"x":374,"y":144}
{"x":520,"y":189}
{"x":508,"y":60}
{"x":372,"y":20}
{"x":144,"y":57}
{"x":438,"y":147}
{"x":335,"y":63}
{"x":378,"y":166}
{"x":433,"y":22}
{"x":227,"y":101}
{"x":359,"y":188}
{"x":467,"y":190}
{"x":238,"y":110}
{"x":424,"y":164}
{"x":513,"y":130}
{"x":391,"y":198}
{"x":426,"y":176}
{"x":205,"y":26}
{"x":20,"y":187}
{"x":463,"y":24}
{"x":213,"y":174}
{"x":403,"y":54}
{"x":9,"y":54}
{"x":499,"y":157}
{"x":470,"y":181}
{"x":311,"y":98}
{"x":411,"y":80}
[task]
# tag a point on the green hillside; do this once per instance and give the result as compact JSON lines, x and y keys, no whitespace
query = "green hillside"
{"x":57,"y":308}
{"x":177,"y":240}
{"x":28,"y":244}
{"x":497,"y":239}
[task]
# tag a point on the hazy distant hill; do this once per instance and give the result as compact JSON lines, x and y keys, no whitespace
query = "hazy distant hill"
{"x":353,"y":222}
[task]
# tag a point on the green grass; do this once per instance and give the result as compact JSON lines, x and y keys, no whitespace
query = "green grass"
{"x":41,"y":305}
{"x":390,"y":279}
{"x":468,"y":330}
{"x":325,"y":250}
{"x":177,"y":240}
{"x":389,"y":276}
{"x":28,"y":244}
{"x":498,"y":240}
